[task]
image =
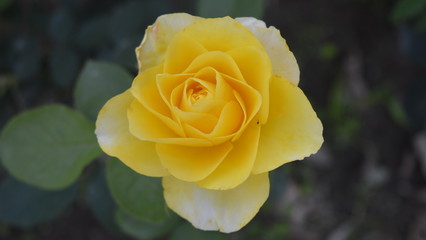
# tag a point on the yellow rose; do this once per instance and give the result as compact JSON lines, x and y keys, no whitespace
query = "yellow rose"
{"x":214,"y":108}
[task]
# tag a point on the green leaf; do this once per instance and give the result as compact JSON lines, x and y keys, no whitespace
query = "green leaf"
{"x":233,"y":8}
{"x":97,"y":83}
{"x":140,"y":229}
{"x":188,"y":232}
{"x":64,"y":65}
{"x":100,"y":199}
{"x":406,"y":9}
{"x":137,"y":194}
{"x":25,"y":206}
{"x":48,"y":147}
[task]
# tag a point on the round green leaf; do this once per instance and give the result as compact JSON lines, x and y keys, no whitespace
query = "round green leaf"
{"x":188,"y":232}
{"x":48,"y":147}
{"x":25,"y":206}
{"x":98,"y":82}
{"x":140,"y":229}
{"x":139,"y":195}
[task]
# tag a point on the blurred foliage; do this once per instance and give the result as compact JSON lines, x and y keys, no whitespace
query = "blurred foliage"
{"x":137,"y":194}
{"x":25,"y":206}
{"x":406,"y":10}
{"x":48,"y":147}
{"x":100,"y":200}
{"x":233,"y":8}
{"x":141,"y":229}
{"x":97,"y":83}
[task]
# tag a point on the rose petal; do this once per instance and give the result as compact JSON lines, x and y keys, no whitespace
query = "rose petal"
{"x":219,"y":61}
{"x":226,"y":210}
{"x":192,"y":163}
{"x":190,"y":102}
{"x":237,"y":166}
{"x":112,"y":131}
{"x":255,"y":66}
{"x":181,"y":52}
{"x":284,"y":63}
{"x":204,"y":122}
{"x":293,"y":130}
{"x":158,"y":36}
{"x":144,"y":89}
{"x":230,"y":120}
{"x":147,"y":126}
{"x":248,"y":97}
{"x":220,"y":34}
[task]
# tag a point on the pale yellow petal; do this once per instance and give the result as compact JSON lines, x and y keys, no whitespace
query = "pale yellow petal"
{"x":284,"y":63}
{"x":293,"y":130}
{"x":158,"y":36}
{"x":112,"y":131}
{"x":223,"y":210}
{"x":237,"y":166}
{"x":192,"y":163}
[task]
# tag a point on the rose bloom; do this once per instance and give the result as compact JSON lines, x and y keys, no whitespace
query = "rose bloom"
{"x":214,"y":108}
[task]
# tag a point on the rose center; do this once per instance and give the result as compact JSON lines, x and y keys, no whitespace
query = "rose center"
{"x":198,"y":94}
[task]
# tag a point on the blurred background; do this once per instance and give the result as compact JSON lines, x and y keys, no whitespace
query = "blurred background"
{"x":363,"y":67}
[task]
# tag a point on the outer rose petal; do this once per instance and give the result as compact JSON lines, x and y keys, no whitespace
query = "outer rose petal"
{"x":293,"y":130}
{"x":284,"y":63}
{"x":221,"y":34}
{"x":158,"y":36}
{"x":237,"y":166}
{"x":223,"y":210}
{"x":112,"y":130}
{"x":192,"y":163}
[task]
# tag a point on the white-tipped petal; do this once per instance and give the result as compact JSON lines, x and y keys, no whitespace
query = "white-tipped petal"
{"x":284,"y":63}
{"x":223,"y":210}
